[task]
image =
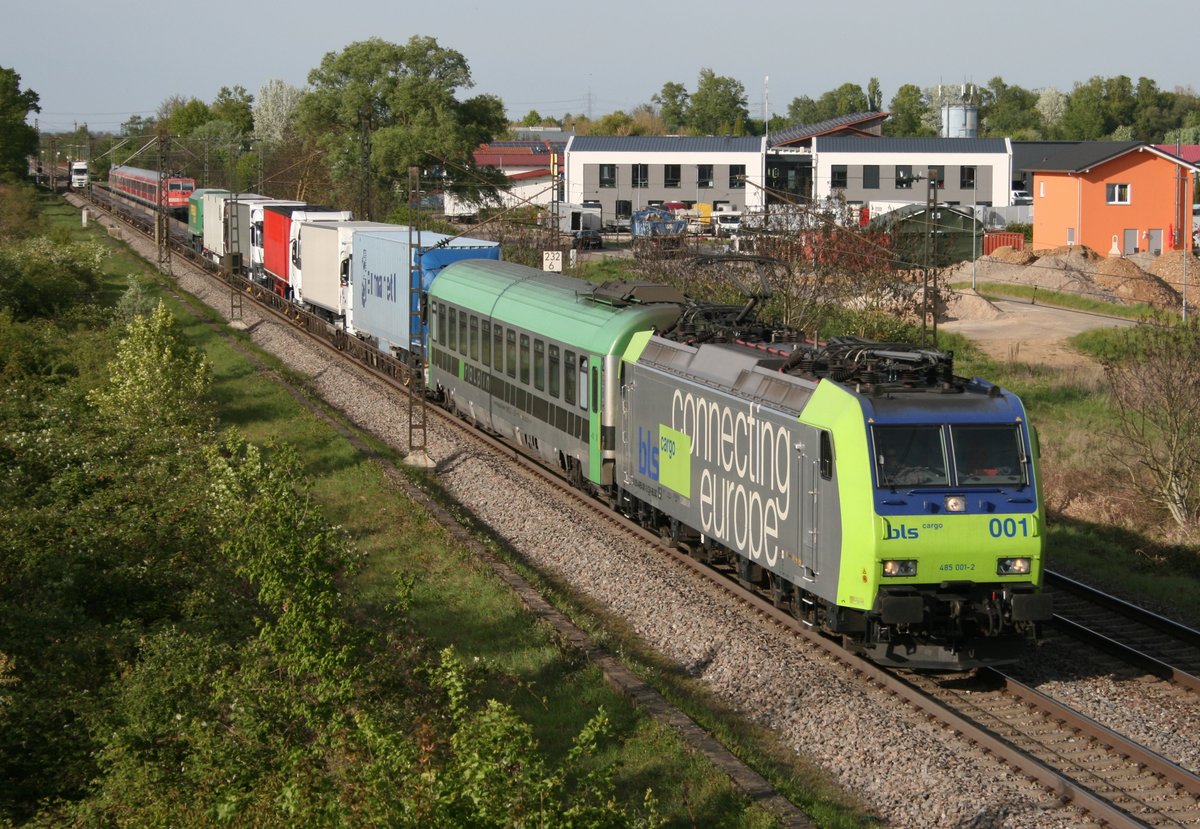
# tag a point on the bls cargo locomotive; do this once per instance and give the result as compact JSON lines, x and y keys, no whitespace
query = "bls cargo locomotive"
{"x":871,"y":491}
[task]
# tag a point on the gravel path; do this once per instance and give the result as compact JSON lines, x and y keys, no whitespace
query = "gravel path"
{"x":913,"y":773}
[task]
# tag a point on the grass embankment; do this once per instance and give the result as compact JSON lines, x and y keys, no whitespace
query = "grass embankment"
{"x":456,"y":600}
{"x":1044,"y":296}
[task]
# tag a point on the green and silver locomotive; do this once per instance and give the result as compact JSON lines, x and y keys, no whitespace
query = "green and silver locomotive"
{"x":863,"y":485}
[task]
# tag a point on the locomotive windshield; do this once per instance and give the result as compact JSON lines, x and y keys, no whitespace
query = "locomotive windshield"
{"x":988,"y":455}
{"x":910,"y":456}
{"x":907,"y":456}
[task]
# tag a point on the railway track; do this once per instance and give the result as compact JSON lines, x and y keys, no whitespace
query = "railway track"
{"x":1125,"y":787}
{"x":1131,"y":634}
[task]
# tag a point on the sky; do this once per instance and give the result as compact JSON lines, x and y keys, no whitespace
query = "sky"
{"x":107,"y":61}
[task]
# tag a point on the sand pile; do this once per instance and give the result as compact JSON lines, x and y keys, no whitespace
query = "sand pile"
{"x":1153,"y":280}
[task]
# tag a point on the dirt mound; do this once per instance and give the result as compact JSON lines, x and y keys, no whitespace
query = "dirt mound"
{"x":967,"y":305}
{"x":1012,"y":256}
{"x":1078,"y":270}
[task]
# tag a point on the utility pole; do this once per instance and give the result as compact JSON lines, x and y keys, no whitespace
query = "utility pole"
{"x":162,"y":220}
{"x":417,"y":453}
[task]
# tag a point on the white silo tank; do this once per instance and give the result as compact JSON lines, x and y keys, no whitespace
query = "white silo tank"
{"x":960,"y":121}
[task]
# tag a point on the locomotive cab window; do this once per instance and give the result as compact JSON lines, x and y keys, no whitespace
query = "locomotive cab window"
{"x":989,"y":455}
{"x":907,"y":456}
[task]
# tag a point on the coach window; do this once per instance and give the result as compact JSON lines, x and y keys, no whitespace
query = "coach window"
{"x":826,"y":456}
{"x":569,"y":377}
{"x":453,"y":344}
{"x":462,"y":333}
{"x":474,"y":337}
{"x":554,"y":371}
{"x":525,"y":359}
{"x":539,"y":365}
{"x":486,"y":342}
{"x":438,"y":318}
{"x":583,"y":381}
{"x":511,"y":352}
{"x":498,"y":347}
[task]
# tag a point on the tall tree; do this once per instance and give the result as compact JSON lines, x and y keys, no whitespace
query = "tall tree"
{"x":672,"y":102}
{"x":874,"y":95}
{"x":187,"y":117}
{"x":718,"y":106}
{"x":274,"y":108}
{"x":908,"y":108}
{"x":17,"y":139}
{"x":1051,"y":104}
{"x":235,"y":106}
{"x":1085,"y":115}
{"x":394,"y":107}
{"x":1009,"y":111}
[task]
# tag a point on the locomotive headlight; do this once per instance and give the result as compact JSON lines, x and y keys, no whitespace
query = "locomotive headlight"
{"x":1013,"y":566}
{"x":896,"y":568}
{"x":956,"y":503}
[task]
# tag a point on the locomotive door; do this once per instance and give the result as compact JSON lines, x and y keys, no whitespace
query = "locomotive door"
{"x":809,"y":512}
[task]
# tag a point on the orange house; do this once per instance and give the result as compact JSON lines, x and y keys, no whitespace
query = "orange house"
{"x":1115,"y":197}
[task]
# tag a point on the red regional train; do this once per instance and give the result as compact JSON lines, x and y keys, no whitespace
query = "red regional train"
{"x":142,"y":186}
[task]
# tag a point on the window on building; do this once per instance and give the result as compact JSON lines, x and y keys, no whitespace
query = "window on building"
{"x":704,"y":176}
{"x":904,"y":177}
{"x":608,"y":175}
{"x":1117,"y":193}
{"x":838,"y":176}
{"x":966,"y":178}
{"x":937,"y":175}
{"x":870,"y":176}
{"x":672,"y":175}
{"x":641,"y":176}
{"x":737,"y":176}
{"x":624,"y":208}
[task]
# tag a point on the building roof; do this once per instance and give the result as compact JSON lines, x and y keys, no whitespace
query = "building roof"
{"x":667,"y":143}
{"x":1068,"y":156}
{"x":1188,"y":152}
{"x":922,"y":146}
{"x":855,"y":123}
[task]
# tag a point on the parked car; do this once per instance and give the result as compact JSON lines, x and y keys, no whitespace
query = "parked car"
{"x":1021,"y":197}
{"x":587,"y":240}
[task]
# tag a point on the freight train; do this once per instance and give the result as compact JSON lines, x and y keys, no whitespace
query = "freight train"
{"x":864,"y":486}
